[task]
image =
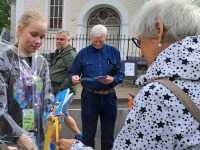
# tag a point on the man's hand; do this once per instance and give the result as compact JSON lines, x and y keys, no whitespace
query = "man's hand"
{"x":51,"y":116}
{"x":107,"y":80}
{"x":65,"y":144}
{"x":76,"y":79}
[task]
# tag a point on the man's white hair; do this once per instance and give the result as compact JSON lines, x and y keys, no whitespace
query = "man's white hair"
{"x":181,"y":18}
{"x":98,"y":30}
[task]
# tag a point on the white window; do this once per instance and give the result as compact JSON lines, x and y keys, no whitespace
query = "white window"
{"x":105,"y":16}
{"x":56,"y":14}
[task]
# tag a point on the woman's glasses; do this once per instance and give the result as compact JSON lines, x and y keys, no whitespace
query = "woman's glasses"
{"x":136,"y":40}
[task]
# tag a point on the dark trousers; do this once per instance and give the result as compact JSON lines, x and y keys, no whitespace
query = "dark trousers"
{"x":95,"y":105}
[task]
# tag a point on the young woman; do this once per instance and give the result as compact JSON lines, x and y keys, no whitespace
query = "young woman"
{"x":25,"y":89}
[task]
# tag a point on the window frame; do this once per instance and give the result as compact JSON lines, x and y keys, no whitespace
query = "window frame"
{"x":56,"y":18}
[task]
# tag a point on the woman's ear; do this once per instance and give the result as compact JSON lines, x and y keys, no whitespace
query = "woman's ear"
{"x":19,"y":29}
{"x":160,"y":28}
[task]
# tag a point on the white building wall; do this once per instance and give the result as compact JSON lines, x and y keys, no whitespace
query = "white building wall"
{"x":77,"y":12}
{"x":19,"y":11}
{"x":19,"y":6}
{"x":38,"y":5}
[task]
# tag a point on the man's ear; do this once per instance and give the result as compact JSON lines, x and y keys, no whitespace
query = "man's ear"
{"x":160,"y":28}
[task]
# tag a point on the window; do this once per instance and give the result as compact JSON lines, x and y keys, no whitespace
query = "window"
{"x":56,"y":13}
{"x":105,"y":16}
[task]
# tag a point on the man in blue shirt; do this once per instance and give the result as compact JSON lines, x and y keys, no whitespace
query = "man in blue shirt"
{"x":98,"y":96}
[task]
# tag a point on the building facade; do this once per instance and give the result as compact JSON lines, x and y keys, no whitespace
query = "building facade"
{"x":79,"y":16}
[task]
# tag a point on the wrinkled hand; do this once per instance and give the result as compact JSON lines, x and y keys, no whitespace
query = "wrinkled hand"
{"x":76,"y":79}
{"x":107,"y":80}
{"x":26,"y":143}
{"x":65,"y":144}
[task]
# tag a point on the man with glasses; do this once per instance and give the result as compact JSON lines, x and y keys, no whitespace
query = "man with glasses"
{"x":60,"y":64}
{"x":98,"y":68}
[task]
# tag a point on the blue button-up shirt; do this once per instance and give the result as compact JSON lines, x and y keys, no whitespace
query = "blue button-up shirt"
{"x":91,"y":62}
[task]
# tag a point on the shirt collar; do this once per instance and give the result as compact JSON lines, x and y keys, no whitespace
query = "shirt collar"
{"x":103,"y":50}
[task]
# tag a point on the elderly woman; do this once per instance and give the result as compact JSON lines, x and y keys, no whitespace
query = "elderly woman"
{"x":168,"y":33}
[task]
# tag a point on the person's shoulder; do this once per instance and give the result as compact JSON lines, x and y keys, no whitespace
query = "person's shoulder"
{"x":7,"y":53}
{"x":40,"y":57}
{"x":83,"y":50}
{"x":69,"y":49}
{"x":87,"y":47}
{"x":111,"y":48}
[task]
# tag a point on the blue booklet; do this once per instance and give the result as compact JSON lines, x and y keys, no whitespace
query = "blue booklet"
{"x":93,"y":79}
{"x":57,"y":104}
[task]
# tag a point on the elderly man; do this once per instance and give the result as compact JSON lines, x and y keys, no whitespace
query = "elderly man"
{"x":99,"y":66}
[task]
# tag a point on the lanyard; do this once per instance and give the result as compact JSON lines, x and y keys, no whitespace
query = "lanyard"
{"x":49,"y":131}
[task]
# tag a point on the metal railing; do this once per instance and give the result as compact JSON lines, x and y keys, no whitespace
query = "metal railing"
{"x":127,"y":48}
{"x":129,"y":52}
{"x":125,"y":45}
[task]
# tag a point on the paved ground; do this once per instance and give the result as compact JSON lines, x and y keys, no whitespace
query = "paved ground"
{"x":75,"y":111}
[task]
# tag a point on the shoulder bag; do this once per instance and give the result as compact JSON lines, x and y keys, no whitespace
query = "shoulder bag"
{"x":183,"y":97}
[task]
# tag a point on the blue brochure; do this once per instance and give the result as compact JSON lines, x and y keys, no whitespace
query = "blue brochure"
{"x":57,"y":104}
{"x":93,"y":79}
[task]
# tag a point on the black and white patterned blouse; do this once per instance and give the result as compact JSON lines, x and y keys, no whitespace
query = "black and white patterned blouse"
{"x":158,"y":120}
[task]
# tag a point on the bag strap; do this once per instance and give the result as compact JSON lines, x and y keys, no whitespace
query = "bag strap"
{"x":183,"y":97}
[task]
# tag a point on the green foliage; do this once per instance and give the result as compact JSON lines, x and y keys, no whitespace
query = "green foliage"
{"x":4,"y":14}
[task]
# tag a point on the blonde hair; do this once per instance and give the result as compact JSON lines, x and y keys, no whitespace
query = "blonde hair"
{"x":27,"y":17}
{"x":30,"y":15}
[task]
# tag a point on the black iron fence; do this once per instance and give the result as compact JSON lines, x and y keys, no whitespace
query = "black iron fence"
{"x":129,"y":52}
{"x":125,"y":45}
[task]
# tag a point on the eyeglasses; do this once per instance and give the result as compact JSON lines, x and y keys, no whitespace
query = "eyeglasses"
{"x":61,"y":39}
{"x":136,"y":40}
{"x":99,"y":41}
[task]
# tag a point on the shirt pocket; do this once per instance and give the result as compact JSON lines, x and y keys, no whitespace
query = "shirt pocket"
{"x":113,"y":68}
{"x":88,"y":68}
